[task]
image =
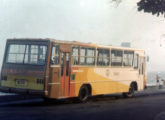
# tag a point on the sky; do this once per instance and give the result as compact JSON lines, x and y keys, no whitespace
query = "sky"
{"x":97,"y":21}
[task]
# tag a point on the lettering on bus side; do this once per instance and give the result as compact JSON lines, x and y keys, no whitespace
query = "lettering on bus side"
{"x":78,"y":70}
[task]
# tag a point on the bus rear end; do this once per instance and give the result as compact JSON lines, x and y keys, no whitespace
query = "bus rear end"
{"x":24,"y":66}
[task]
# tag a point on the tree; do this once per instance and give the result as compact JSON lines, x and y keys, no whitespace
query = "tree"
{"x":156,"y":7}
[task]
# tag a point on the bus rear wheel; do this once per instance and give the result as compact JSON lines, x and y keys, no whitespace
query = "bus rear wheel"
{"x":131,"y":92}
{"x":83,"y":94}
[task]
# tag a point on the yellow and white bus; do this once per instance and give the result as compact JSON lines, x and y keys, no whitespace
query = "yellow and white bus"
{"x":62,"y":69}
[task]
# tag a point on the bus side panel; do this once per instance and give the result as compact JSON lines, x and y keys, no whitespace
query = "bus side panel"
{"x":73,"y":82}
{"x":140,"y":85}
{"x":108,"y":81}
{"x":76,"y":80}
{"x":54,"y":84}
{"x":105,"y":80}
{"x":72,"y":89}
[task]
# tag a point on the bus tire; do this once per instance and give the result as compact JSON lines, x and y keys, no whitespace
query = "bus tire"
{"x":131,"y":92}
{"x":83,"y":94}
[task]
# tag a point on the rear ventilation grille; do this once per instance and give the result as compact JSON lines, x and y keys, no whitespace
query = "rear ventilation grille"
{"x":40,"y":81}
{"x":4,"y":78}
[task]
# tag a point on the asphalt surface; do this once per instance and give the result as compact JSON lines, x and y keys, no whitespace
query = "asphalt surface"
{"x":146,"y":105}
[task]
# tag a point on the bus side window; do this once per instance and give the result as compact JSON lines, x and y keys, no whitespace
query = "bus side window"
{"x":42,"y":54}
{"x":117,"y":56}
{"x":82,"y":57}
{"x":75,"y":54}
{"x":90,"y":56}
{"x":136,"y":57}
{"x":87,"y":56}
{"x":128,"y":58}
{"x":55,"y":55}
{"x":103,"y":57}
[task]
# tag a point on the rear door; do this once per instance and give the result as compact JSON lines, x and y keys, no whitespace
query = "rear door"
{"x":65,"y":73}
{"x":65,"y":70}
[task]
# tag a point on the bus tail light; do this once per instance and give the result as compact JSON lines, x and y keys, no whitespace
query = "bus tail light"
{"x":4,"y":78}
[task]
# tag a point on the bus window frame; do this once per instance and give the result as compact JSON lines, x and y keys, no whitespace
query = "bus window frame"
{"x":121,"y":58}
{"x":75,"y":55}
{"x":7,"y":51}
{"x":86,"y":47}
{"x":132,"y":63}
{"x":59,"y":56}
{"x":109,"y":58}
{"x":136,"y":68}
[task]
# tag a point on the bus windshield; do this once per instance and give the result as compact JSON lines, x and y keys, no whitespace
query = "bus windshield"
{"x":26,"y":54}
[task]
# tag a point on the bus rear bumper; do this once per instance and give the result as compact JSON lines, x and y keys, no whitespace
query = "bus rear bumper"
{"x":22,"y":91}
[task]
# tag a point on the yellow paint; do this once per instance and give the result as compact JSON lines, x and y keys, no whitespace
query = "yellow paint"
{"x":31,"y":82}
{"x":100,"y":84}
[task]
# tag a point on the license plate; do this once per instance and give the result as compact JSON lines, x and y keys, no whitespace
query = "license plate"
{"x":21,"y":82}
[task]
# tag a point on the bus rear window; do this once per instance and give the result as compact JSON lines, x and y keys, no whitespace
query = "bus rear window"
{"x":26,"y":54}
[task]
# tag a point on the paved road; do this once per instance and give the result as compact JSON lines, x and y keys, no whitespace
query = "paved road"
{"x":147,"y":105}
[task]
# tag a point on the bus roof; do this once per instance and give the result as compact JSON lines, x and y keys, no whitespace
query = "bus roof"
{"x":93,"y":45}
{"x":76,"y":43}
